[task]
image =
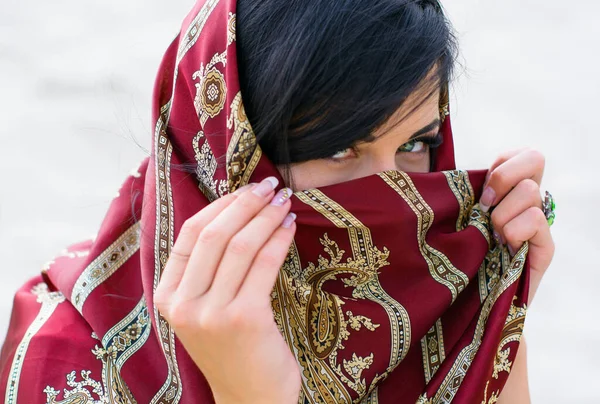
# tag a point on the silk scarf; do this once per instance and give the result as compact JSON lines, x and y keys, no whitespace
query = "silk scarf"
{"x":393,"y":290}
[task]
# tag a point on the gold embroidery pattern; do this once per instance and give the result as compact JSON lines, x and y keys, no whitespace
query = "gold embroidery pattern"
{"x":489,"y":273}
{"x":512,"y":331}
{"x":481,"y":221}
{"x":105,"y":265}
{"x":80,"y":394}
{"x":493,"y":398}
{"x":112,"y":389}
{"x":313,"y":321}
{"x":128,"y":336}
{"x":65,"y":254}
{"x":432,"y":346}
{"x":231,"y":28}
{"x":370,"y":259}
{"x":471,"y":214}
{"x":243,"y":153}
{"x":49,"y":301}
{"x":460,"y":185}
{"x":424,"y":400}
{"x":323,"y":379}
{"x":372,"y":398}
{"x":206,"y":168}
{"x":211,"y":91}
{"x":455,"y":376}
{"x":195,"y":28}
{"x":171,"y":390}
{"x":440,"y":267}
{"x":444,"y":103}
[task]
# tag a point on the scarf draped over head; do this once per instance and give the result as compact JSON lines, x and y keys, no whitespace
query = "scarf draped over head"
{"x":393,"y":291}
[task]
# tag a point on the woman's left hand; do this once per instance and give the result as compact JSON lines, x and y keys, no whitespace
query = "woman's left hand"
{"x":513,"y":191}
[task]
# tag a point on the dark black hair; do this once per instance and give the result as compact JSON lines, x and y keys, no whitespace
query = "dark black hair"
{"x":317,"y":76}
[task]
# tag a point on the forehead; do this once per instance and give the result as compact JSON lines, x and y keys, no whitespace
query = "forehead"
{"x":419,"y":110}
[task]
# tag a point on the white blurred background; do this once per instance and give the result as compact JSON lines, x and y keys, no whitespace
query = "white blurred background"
{"x":76,"y":81}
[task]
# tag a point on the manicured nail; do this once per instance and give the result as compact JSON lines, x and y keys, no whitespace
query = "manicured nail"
{"x":266,"y":186}
{"x":243,"y":189}
{"x":511,"y":251}
{"x":487,"y":199}
{"x":289,"y":219}
{"x":487,"y":178}
{"x":281,"y":197}
{"x":498,"y":238}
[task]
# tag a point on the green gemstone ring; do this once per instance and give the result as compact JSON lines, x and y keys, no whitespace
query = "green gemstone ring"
{"x":548,"y":207}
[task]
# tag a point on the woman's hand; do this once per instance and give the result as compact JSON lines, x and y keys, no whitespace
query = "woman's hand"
{"x":513,"y":189}
{"x":215,"y":293}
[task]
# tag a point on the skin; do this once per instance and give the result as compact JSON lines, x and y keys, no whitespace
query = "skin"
{"x":215,"y":291}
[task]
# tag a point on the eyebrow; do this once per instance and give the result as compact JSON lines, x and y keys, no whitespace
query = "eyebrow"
{"x":433,"y":125}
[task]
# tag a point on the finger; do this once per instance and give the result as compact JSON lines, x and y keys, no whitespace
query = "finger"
{"x":532,"y":226}
{"x":528,"y":164}
{"x":524,"y":196}
{"x":244,"y":247}
{"x":263,"y":273}
{"x":215,"y":235}
{"x":501,"y":159}
{"x":182,"y":249}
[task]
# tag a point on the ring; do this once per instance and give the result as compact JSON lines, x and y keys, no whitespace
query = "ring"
{"x":548,"y":207}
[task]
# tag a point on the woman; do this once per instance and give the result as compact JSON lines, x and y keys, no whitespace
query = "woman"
{"x":312,"y":244}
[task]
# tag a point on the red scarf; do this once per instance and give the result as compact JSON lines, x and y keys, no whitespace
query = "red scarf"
{"x":393,"y":290}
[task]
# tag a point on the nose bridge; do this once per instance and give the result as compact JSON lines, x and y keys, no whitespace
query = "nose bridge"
{"x":384,"y":160}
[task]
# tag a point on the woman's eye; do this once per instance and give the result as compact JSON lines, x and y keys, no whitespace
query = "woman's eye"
{"x":342,"y":154}
{"x":414,"y":146}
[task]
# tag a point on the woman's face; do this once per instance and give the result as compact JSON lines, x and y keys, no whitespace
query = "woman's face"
{"x":397,"y":146}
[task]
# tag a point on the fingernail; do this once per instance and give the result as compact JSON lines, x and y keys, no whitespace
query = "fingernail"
{"x":289,"y":219}
{"x":243,"y":189}
{"x":266,"y":186}
{"x":511,"y":251}
{"x":281,"y":197}
{"x":498,"y":238}
{"x":487,"y":199}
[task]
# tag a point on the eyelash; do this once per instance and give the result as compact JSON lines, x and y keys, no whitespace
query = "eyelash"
{"x":431,"y":142}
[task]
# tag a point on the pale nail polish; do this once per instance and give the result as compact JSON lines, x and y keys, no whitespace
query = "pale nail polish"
{"x":511,"y":251}
{"x":281,"y":197}
{"x":487,"y":199}
{"x":487,"y":179}
{"x":289,"y":219}
{"x":498,"y":238}
{"x":266,"y":186}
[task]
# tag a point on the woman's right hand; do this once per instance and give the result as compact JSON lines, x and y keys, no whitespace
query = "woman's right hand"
{"x":216,"y":294}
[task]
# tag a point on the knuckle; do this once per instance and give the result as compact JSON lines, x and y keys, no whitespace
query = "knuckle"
{"x":511,"y":233}
{"x":176,"y":255}
{"x":210,"y":319}
{"x":551,"y":248}
{"x":530,"y":187}
{"x":270,"y":259}
{"x":210,"y":235}
{"x":238,"y":316}
{"x":538,"y":216}
{"x":537,"y":157}
{"x":190,"y":226}
{"x":498,"y":219}
{"x":500,"y":178}
{"x":161,"y":299}
{"x":178,"y":315}
{"x":249,"y":201}
{"x":240,"y":245}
